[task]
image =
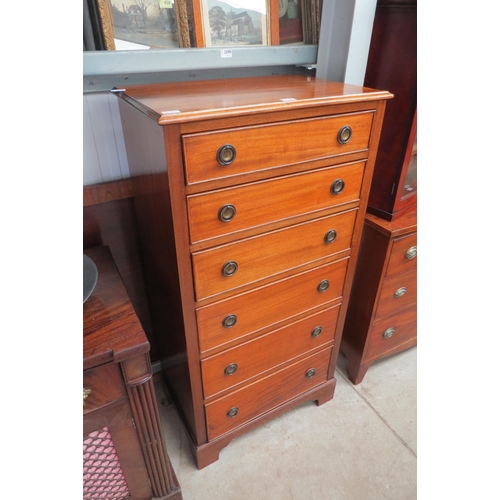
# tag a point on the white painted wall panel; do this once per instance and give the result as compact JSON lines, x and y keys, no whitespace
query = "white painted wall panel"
{"x":104,"y":157}
{"x":359,"y":47}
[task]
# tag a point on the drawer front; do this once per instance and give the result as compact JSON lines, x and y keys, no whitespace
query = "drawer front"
{"x":251,"y":311}
{"x":270,"y":146}
{"x":261,"y":203}
{"x":247,"y":360}
{"x":244,"y":404}
{"x":405,"y":328}
{"x":398,"y":293}
{"x":403,"y":257}
{"x":105,"y":385}
{"x":247,"y":261}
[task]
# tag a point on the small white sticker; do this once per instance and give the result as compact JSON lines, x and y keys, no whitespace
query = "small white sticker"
{"x":171,"y":112}
{"x":288,"y":99}
{"x":226,"y":53}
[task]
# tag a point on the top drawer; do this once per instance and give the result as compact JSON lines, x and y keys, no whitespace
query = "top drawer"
{"x":403,"y":257}
{"x":256,"y":148}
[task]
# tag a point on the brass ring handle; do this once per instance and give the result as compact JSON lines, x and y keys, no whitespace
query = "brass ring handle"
{"x":316,"y":331}
{"x":344,"y":135}
{"x":229,"y":268}
{"x":330,"y":236}
{"x":227,"y":213}
{"x":389,"y":333}
{"x":226,"y":154}
{"x":233,"y":412}
{"x":229,"y":321}
{"x":323,"y":286}
{"x":310,"y":373}
{"x":337,"y":186}
{"x":400,"y":292}
{"x":230,"y":369}
{"x":86,"y":393}
{"x":411,"y":253}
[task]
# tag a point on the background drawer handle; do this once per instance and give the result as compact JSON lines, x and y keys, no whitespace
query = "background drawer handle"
{"x":411,"y":253}
{"x":229,"y":321}
{"x":344,"y":135}
{"x":230,"y":369}
{"x":337,"y":186}
{"x":229,"y":268}
{"x":310,"y":373}
{"x":323,"y":286}
{"x":233,"y":412}
{"x":316,"y":331}
{"x":226,"y":154}
{"x":389,"y":333}
{"x":330,"y":236}
{"x":226,"y":213}
{"x":86,"y":393}
{"x":400,"y":292}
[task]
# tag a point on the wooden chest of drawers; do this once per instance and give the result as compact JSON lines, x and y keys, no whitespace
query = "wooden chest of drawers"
{"x":250,"y":194}
{"x":382,"y":314}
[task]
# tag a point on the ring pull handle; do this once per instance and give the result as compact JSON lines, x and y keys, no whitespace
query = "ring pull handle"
{"x":411,"y":253}
{"x":337,"y":186}
{"x":227,"y":213}
{"x":330,"y":236}
{"x":229,"y":321}
{"x":389,"y":333}
{"x":86,"y":393}
{"x":317,"y":331}
{"x":310,"y":373}
{"x":344,"y":135}
{"x":230,"y":369}
{"x":229,"y":268}
{"x":233,"y":412}
{"x":226,"y":154}
{"x":400,"y":292}
{"x":323,"y":286}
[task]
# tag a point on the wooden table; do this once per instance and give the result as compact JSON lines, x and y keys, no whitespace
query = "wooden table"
{"x":124,"y":450}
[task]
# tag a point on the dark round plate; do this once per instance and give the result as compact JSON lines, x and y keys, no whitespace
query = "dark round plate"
{"x":89,"y":277}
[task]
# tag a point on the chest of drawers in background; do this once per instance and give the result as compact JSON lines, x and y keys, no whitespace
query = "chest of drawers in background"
{"x":250,"y":196}
{"x":382,"y":315}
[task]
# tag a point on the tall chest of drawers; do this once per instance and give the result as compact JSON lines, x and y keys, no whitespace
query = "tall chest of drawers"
{"x":382,"y":316}
{"x":250,"y":195}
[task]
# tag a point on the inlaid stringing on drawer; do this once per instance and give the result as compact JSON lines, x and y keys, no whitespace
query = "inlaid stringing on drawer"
{"x":254,"y":399}
{"x":268,"y":305}
{"x":291,"y":195}
{"x":240,"y":363}
{"x":263,"y":147}
{"x":247,"y":261}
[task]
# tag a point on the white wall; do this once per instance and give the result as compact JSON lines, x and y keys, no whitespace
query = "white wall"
{"x":104,"y":156}
{"x":364,"y":14}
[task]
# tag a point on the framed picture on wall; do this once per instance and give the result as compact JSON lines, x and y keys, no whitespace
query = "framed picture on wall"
{"x":235,"y":22}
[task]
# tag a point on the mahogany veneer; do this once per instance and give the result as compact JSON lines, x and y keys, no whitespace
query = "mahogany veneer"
{"x":384,"y":294}
{"x":249,"y":257}
{"x":119,"y":399}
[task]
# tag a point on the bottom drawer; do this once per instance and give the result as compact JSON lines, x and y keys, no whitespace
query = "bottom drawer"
{"x":242,"y":405}
{"x":390,"y":332}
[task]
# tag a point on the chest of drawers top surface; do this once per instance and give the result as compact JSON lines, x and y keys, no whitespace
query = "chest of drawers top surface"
{"x":111,"y":329}
{"x":179,"y":102}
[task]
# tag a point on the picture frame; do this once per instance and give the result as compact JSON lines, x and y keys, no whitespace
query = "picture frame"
{"x":145,"y":24}
{"x":234,"y":23}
